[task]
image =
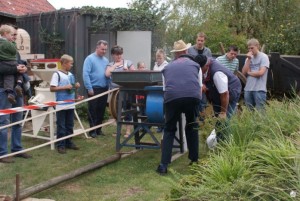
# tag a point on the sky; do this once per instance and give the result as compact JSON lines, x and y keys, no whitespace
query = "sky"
{"x":68,"y":4}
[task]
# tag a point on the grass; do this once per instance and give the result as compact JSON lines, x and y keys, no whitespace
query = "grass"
{"x":131,"y":178}
{"x":259,"y":160}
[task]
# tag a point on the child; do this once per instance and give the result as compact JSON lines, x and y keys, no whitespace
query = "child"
{"x":141,"y":99}
{"x":8,"y":57}
{"x":160,"y":60}
{"x":160,"y":63}
{"x":63,"y":84}
{"x":141,"y":65}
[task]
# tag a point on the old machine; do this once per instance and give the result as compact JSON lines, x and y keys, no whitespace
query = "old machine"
{"x":141,"y":96}
{"x":44,"y":69}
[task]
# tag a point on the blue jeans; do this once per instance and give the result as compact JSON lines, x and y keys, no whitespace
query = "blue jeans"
{"x":203,"y":103}
{"x":255,"y":99}
{"x":173,"y":110}
{"x":16,"y":131}
{"x":65,"y":125}
{"x":230,"y":109}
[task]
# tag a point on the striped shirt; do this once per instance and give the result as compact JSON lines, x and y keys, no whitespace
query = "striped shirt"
{"x":232,"y":65}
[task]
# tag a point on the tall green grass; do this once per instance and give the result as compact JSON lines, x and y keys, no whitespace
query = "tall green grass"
{"x":259,"y":160}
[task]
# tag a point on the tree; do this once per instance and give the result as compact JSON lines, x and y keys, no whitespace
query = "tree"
{"x":274,"y":23}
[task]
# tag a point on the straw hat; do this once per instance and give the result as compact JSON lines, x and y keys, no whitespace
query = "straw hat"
{"x":180,"y":46}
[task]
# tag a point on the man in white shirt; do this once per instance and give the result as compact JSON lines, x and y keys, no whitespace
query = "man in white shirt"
{"x":223,"y":87}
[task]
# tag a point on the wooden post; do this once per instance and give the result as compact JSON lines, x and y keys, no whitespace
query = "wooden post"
{"x":17,"y":187}
{"x":54,"y":181}
{"x":222,"y":48}
{"x":262,"y":49}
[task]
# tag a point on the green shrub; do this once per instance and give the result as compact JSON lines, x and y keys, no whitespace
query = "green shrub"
{"x":259,"y":161}
{"x":82,"y":111}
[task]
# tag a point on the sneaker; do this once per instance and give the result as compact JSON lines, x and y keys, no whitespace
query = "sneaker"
{"x":61,"y":150}
{"x":159,"y":129}
{"x":23,"y":155}
{"x":193,"y":162}
{"x":73,"y":146}
{"x":7,"y":160}
{"x":93,"y":134}
{"x":19,"y":90}
{"x":11,"y":98}
{"x":162,"y":169}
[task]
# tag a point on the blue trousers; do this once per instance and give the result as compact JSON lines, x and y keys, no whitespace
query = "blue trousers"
{"x":173,"y":110}
{"x":16,"y":130}
{"x":255,"y":99}
{"x":65,"y":125}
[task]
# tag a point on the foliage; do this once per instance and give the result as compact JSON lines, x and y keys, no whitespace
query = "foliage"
{"x":119,"y":19}
{"x":53,"y":41}
{"x":220,"y":33}
{"x":82,"y":111}
{"x":274,"y":23}
{"x":158,"y":9}
{"x":51,"y":38}
{"x":259,"y":161}
{"x":285,"y":38}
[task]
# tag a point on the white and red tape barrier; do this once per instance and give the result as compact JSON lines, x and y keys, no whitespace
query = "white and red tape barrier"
{"x":33,"y":107}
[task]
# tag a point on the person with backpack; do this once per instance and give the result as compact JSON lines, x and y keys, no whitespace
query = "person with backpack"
{"x":63,"y":84}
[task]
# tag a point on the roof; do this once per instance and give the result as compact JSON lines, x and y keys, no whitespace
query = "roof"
{"x":23,"y":7}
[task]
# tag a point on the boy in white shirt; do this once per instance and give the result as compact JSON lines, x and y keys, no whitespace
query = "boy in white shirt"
{"x":63,"y":84}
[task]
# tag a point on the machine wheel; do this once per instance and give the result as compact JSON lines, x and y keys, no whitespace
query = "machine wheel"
{"x":113,"y":104}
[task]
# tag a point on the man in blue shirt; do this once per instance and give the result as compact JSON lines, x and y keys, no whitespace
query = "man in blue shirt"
{"x":95,"y":82}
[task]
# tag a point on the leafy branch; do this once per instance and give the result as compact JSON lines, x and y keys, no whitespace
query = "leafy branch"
{"x":119,"y":19}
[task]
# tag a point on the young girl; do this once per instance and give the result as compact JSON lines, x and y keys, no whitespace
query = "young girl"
{"x":160,"y":58}
{"x":63,"y":84}
{"x":160,"y":64}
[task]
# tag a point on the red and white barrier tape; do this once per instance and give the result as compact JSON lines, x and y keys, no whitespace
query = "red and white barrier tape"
{"x":33,"y":107}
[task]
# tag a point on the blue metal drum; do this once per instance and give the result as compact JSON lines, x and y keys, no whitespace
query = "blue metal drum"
{"x":155,"y":104}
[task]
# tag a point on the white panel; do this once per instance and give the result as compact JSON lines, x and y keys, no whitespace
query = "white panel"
{"x":136,"y":46}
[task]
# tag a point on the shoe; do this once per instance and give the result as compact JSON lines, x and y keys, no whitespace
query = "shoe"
{"x":162,"y":169}
{"x":7,"y":160}
{"x":19,"y":90}
{"x":73,"y":146}
{"x":11,"y":99}
{"x":100,"y":133}
{"x":23,"y":155}
{"x":193,"y":162}
{"x":159,"y":129}
{"x":93,"y":134}
{"x":61,"y":150}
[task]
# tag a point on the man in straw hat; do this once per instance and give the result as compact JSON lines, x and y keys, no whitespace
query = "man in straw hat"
{"x":182,"y":95}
